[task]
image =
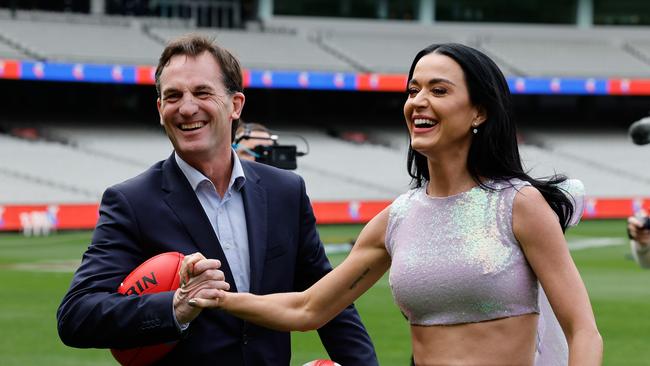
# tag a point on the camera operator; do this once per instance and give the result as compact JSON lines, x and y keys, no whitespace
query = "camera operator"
{"x":258,"y":135}
{"x":253,"y":141}
{"x":638,"y":228}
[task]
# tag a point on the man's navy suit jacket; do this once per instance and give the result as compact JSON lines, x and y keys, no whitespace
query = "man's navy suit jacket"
{"x":158,"y":211}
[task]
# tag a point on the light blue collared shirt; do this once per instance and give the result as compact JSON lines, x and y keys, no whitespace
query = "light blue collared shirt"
{"x":226,"y":215}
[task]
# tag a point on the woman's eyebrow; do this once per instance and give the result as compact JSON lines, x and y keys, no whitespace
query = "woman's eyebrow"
{"x":433,"y":81}
{"x":440,"y":80}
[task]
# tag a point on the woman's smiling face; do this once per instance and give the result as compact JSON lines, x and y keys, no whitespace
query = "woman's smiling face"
{"x":438,"y":110}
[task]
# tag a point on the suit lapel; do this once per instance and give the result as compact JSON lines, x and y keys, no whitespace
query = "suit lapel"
{"x":254,"y":197}
{"x":184,"y":203}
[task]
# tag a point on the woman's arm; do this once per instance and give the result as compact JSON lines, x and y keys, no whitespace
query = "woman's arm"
{"x":537,"y":229}
{"x":314,"y":307}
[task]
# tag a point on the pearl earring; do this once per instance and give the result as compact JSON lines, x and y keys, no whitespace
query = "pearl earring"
{"x":475,"y":130}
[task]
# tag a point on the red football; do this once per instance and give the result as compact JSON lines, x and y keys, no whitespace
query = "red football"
{"x":157,"y":274}
{"x":321,"y":363}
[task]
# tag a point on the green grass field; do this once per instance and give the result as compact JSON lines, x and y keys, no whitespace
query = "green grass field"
{"x":35,"y":273}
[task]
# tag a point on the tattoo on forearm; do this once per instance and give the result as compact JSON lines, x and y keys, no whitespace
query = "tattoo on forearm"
{"x":354,"y":284}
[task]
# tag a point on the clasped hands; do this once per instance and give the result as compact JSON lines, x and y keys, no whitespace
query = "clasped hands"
{"x":202,"y":286}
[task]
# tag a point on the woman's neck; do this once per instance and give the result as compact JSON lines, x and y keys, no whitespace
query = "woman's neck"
{"x":448,"y":176}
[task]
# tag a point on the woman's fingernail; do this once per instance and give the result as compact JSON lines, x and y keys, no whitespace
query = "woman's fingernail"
{"x":192,"y":302}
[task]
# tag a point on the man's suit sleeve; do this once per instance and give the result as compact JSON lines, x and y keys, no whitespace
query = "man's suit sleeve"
{"x":92,"y":314}
{"x":344,"y":337}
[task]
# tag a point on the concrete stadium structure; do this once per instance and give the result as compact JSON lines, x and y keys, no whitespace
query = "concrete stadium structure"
{"x":95,"y":156}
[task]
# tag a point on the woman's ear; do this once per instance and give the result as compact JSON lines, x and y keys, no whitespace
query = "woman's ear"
{"x":480,"y":117}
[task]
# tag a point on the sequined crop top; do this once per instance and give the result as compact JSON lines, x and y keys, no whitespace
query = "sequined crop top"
{"x":455,"y":259}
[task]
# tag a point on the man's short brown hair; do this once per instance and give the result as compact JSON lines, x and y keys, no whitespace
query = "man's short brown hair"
{"x":193,"y":45}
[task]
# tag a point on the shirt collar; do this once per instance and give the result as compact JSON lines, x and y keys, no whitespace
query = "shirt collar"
{"x":195,"y":177}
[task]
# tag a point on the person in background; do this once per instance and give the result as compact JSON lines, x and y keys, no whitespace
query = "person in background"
{"x":253,"y":221}
{"x":467,"y":247}
{"x":250,"y":135}
{"x":638,"y":229}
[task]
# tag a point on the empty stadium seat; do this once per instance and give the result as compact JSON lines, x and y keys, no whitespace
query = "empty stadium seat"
{"x":280,"y":51}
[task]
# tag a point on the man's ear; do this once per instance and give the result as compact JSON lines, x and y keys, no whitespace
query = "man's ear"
{"x":238,"y":100}
{"x":158,"y":104}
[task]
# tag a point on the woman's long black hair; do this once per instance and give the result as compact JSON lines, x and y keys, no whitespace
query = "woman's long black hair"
{"x":493,"y":152}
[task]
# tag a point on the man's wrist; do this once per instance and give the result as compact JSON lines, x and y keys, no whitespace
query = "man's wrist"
{"x":183,"y":313}
{"x":182,"y":327}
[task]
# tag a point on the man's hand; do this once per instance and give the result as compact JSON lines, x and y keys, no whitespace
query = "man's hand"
{"x":634,"y":229}
{"x":200,"y":279}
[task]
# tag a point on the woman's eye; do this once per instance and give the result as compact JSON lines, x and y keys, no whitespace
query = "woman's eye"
{"x":439,"y":91}
{"x":413,"y":92}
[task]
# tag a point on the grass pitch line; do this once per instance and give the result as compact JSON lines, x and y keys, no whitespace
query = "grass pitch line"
{"x":336,"y":248}
{"x":586,"y":243}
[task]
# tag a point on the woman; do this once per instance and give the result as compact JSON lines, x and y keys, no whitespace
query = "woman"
{"x":466,"y":247}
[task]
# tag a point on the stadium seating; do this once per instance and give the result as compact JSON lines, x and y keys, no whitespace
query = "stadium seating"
{"x":94,"y":43}
{"x":28,"y":190}
{"x":335,"y":169}
{"x":326,"y":44}
{"x":97,"y":157}
{"x":282,"y":51}
{"x":519,"y":50}
{"x":137,"y":146}
{"x":340,"y":170}
{"x":7,"y":51}
{"x":61,"y":167}
{"x":566,"y":56}
{"x":641,"y":48}
{"x":617,"y":172}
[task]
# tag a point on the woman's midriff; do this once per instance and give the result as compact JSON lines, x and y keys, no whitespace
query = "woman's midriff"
{"x":506,"y":341}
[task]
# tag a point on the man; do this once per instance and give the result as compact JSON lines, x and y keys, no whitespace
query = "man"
{"x":251,"y":135}
{"x":256,"y":220}
{"x":639,"y":232}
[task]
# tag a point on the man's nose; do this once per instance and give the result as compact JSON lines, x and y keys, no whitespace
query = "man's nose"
{"x":188,"y":106}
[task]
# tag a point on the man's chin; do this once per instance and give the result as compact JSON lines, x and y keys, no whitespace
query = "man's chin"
{"x":189,"y":151}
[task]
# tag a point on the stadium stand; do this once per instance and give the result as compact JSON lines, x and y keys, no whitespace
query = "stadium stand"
{"x":334,"y":169}
{"x":354,"y":172}
{"x":8,"y":51}
{"x":21,"y":189}
{"x":283,"y":51}
{"x":63,"y":166}
{"x":327,"y":44}
{"x":135,"y":146}
{"x":339,"y":170}
{"x":617,"y":171}
{"x":369,"y":50}
{"x":640,"y":47}
{"x":120,"y":42}
{"x":518,"y":49}
{"x":570,"y":56}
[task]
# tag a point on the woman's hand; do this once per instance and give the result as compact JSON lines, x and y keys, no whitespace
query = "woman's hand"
{"x":202,"y":285}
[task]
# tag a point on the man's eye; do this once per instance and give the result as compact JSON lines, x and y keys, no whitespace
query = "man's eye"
{"x":171,"y":98}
